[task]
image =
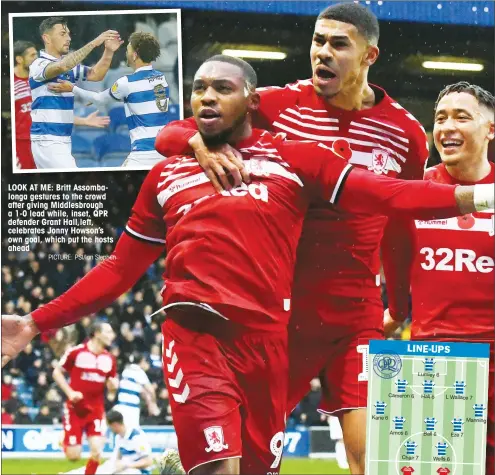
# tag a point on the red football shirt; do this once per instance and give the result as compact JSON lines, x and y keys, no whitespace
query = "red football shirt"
{"x":339,"y":252}
{"x":222,"y":268}
{"x":407,"y":470}
{"x":22,"y":101}
{"x":453,"y":278}
{"x":88,"y":374}
{"x":443,"y":471}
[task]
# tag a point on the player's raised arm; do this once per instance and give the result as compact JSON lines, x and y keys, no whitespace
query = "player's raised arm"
{"x":99,"y":99}
{"x":100,"y":69}
{"x":132,"y":256}
{"x":55,"y":68}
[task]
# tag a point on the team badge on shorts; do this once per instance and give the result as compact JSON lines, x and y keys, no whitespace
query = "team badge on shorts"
{"x":214,"y":437}
{"x":379,"y":160}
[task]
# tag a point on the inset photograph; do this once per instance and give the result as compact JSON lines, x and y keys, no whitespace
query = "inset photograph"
{"x":91,"y":90}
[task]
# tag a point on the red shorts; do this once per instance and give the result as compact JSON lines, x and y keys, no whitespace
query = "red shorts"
{"x":332,"y":342}
{"x":228,"y":392}
{"x":93,"y":424}
{"x":25,"y":160}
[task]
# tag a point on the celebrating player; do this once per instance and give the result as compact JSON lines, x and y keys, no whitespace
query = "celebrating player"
{"x":90,"y":367}
{"x":455,"y":256}
{"x":337,"y":301}
{"x":24,"y":55}
{"x":227,"y":294}
{"x":134,"y":382}
{"x":131,"y":454}
{"x":145,"y":94}
{"x":53,"y":113}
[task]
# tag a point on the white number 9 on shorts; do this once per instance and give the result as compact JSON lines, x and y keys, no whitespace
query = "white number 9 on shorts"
{"x":277,"y":448}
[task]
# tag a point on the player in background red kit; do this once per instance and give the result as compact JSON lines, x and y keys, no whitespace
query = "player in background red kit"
{"x":229,"y":268}
{"x":24,"y":54}
{"x":337,"y":304}
{"x":452,"y":286}
{"x":90,"y":367}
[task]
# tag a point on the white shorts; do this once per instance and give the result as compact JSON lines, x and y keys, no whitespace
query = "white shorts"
{"x":131,"y":414}
{"x":49,"y":154}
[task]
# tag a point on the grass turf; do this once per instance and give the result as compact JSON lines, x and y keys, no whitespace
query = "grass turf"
{"x":290,"y":466}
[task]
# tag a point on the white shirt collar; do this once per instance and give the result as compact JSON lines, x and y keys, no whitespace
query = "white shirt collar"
{"x":44,"y":54}
{"x":144,"y":68}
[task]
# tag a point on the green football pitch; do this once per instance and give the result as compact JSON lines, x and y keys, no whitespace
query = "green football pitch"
{"x":290,"y":466}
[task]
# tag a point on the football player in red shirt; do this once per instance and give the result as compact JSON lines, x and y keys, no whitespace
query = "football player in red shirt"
{"x":455,"y":256}
{"x":90,"y":367}
{"x":228,"y":294}
{"x":337,"y":304}
{"x":24,"y":54}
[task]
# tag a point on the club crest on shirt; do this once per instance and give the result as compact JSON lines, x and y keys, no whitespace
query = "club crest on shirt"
{"x":214,"y":438}
{"x":379,"y":161}
{"x":161,"y":98}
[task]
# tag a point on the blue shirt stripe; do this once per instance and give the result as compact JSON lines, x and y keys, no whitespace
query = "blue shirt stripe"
{"x":54,"y":102}
{"x":147,"y":120}
{"x":129,"y":391}
{"x":142,"y":96}
{"x":143,"y":145}
{"x":51,"y":128}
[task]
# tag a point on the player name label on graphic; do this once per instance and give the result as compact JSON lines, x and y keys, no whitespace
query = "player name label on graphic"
{"x":427,"y":408}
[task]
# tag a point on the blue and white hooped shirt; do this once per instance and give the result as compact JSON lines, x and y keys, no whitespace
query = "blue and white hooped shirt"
{"x":145,"y":93}
{"x":52,"y":113}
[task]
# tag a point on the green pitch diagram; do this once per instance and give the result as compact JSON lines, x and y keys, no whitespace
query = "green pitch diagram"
{"x":427,"y":408}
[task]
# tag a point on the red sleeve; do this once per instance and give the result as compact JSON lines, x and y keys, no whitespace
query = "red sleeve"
{"x":273,"y":100}
{"x":370,"y":193}
{"x":113,"y":371}
{"x":174,"y":138}
{"x":322,"y":172}
{"x":101,"y":286}
{"x":146,"y":221}
{"x":134,"y":253}
{"x":399,"y":236}
{"x":68,"y":359}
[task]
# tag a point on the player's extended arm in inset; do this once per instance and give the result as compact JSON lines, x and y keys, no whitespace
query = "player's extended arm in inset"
{"x":93,"y":120}
{"x":99,"y":99}
{"x":100,"y":69}
{"x":59,"y":378}
{"x":182,"y":136}
{"x":76,"y":57}
{"x":96,"y":290}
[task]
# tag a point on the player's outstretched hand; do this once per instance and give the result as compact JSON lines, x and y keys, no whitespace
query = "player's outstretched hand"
{"x":390,"y":325}
{"x":17,"y":332}
{"x":94,"y":120}
{"x":111,"y":35}
{"x":113,"y":44}
{"x":220,"y":163}
{"x":61,"y":86}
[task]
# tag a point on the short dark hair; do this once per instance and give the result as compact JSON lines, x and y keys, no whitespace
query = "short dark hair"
{"x":115,"y":416}
{"x":95,"y":327}
{"x":136,"y":357}
{"x":145,"y":45}
{"x":483,"y":97}
{"x":248,"y":72}
{"x":48,"y":23}
{"x":20,"y":47}
{"x":358,"y":15}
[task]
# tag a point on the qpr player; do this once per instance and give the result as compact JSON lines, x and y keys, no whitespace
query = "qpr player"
{"x":229,"y":269}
